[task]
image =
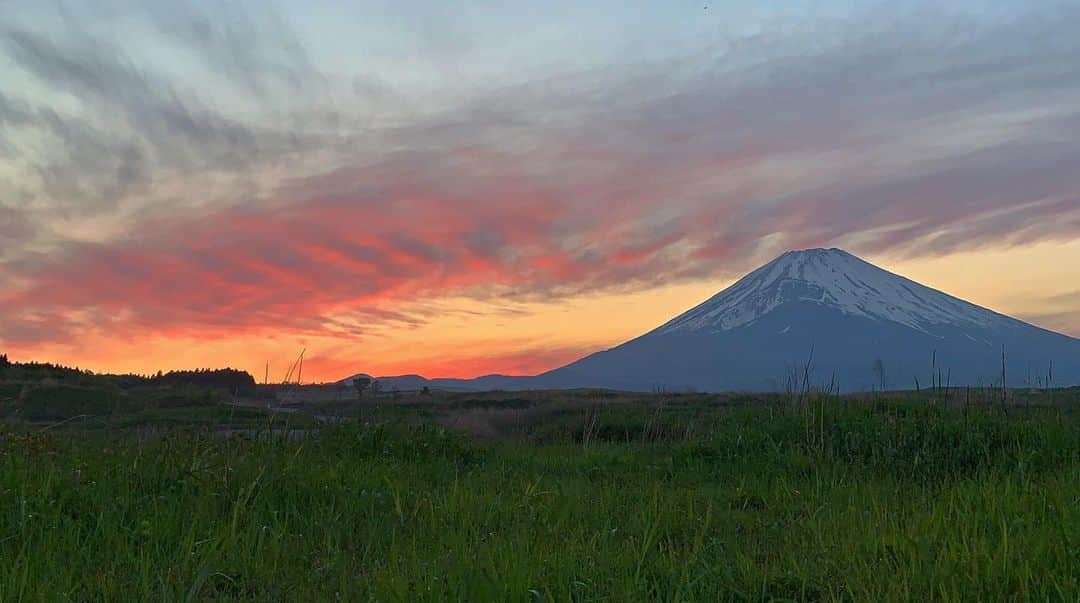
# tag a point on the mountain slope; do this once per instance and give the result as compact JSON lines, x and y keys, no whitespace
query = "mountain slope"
{"x":852,"y":320}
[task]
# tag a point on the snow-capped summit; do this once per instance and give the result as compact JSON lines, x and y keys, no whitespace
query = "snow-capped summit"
{"x":836,"y":279}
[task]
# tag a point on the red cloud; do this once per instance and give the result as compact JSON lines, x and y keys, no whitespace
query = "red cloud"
{"x":244,"y":270}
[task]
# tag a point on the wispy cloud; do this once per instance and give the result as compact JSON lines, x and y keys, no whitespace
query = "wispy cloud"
{"x":232,"y":207}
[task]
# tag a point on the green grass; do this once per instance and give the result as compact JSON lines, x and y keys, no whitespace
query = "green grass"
{"x":100,"y":404}
{"x":829,"y":501}
{"x":57,"y":402}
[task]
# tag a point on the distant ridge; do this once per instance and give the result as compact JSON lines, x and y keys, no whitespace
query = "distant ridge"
{"x":857,"y":324}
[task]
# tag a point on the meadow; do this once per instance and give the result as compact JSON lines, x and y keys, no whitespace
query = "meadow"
{"x":586,"y":496}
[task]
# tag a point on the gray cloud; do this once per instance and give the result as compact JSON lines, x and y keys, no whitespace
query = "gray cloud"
{"x":255,"y":51}
{"x":15,"y":228}
{"x":154,"y":112}
{"x":108,"y":127}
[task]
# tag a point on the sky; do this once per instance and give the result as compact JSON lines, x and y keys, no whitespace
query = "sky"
{"x":458,"y":189}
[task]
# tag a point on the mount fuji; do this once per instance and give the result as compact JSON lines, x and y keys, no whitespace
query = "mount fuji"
{"x":851,"y":321}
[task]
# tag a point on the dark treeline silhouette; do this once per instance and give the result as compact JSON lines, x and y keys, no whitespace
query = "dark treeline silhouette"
{"x":227,"y":378}
{"x":41,"y":371}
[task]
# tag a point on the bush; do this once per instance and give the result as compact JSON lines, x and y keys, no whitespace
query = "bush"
{"x":59,"y":402}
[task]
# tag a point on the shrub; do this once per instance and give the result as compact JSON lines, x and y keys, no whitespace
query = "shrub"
{"x":62,"y":401}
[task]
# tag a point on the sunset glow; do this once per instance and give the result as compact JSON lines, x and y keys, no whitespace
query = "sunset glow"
{"x":183,"y":188}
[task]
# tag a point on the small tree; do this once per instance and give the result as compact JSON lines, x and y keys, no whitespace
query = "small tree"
{"x":361,"y":384}
{"x":375,"y":388}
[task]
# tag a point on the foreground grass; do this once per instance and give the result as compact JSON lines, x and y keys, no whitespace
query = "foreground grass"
{"x":833,"y":502}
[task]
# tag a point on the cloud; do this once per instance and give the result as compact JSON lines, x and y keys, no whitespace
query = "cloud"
{"x":1058,"y":312}
{"x":858,"y":133}
{"x":253,"y":50}
{"x":108,"y":127}
{"x":15,"y":228}
{"x":1067,"y":321}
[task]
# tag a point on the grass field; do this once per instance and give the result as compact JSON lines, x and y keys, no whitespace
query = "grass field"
{"x":674,"y":498}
